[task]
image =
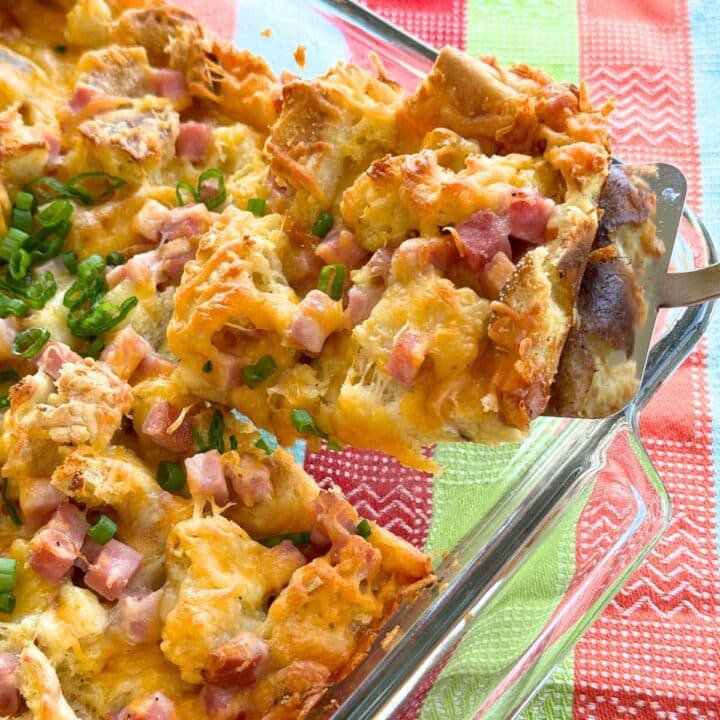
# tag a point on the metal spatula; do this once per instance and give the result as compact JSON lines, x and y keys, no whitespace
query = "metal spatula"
{"x":662,"y":289}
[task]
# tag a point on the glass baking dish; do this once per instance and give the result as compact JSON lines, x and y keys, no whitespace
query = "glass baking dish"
{"x":594,"y":474}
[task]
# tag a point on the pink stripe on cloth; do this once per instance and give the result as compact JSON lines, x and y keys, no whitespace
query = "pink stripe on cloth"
{"x":654,"y":652}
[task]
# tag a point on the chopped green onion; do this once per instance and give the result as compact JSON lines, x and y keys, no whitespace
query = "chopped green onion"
{"x":12,"y":306}
{"x":9,"y":505}
{"x":265,"y":446}
{"x":335,"y":287}
{"x":103,"y":530}
{"x":333,"y":445}
{"x":7,"y":602}
{"x":257,"y":206}
{"x":171,"y":476}
{"x":9,"y":376}
{"x":186,"y":187}
{"x":207,"y":366}
{"x":56,"y":212}
{"x":216,"y":431}
{"x":36,"y":292}
{"x":25,"y":201}
{"x":28,"y":343}
{"x":4,"y":402}
{"x":323,"y":224}
{"x":22,"y":220}
{"x":89,"y":285}
{"x":363,"y":529}
{"x":233,"y":443}
{"x":60,"y":49}
{"x":112,"y":183}
{"x":70,"y":259}
{"x":14,"y":240}
{"x":48,"y":242}
{"x":96,"y":346}
{"x":255,"y":374}
{"x":304,"y":423}
{"x":220,"y":193}
{"x":48,"y":188}
{"x":100,"y":318}
{"x":19,"y":264}
{"x":115,"y":258}
{"x":297,"y":538}
{"x":8,"y":574}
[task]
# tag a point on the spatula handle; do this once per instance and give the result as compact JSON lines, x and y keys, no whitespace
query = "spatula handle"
{"x":691,"y":288}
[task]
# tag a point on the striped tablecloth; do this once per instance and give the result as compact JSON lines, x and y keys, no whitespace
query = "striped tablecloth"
{"x":655,"y":652}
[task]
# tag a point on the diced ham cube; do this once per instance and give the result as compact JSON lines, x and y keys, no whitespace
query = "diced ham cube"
{"x":334,"y":519}
{"x":125,"y":352}
{"x":418,"y":252}
{"x":82,"y":97}
{"x":495,"y":275}
{"x":53,"y":356}
{"x":55,"y":547}
{"x":159,"y":266}
{"x":38,"y":501}
{"x":361,"y":301}
{"x":250,"y":479}
{"x":54,"y":149}
{"x":193,"y":140}
{"x":238,"y":662}
{"x":156,"y":364}
{"x":156,"y":706}
{"x":227,"y":371}
{"x":9,"y":693}
{"x":340,"y":247}
{"x":380,"y":262}
{"x":113,"y":569}
{"x":169,"y":84}
{"x":481,"y":237}
{"x":318,"y":315}
{"x":304,"y":264}
{"x":158,"y":223}
{"x":161,"y":416}
{"x":206,"y":476}
{"x":138,"y":616}
{"x":173,"y":256}
{"x":527,"y":216}
{"x":406,"y":358}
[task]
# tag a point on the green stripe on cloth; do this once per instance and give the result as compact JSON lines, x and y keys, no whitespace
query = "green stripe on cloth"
{"x":537,"y":32}
{"x":473,"y":480}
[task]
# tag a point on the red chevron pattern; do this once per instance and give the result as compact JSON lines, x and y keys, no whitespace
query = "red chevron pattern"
{"x":640,"y":53}
{"x":379,"y":487}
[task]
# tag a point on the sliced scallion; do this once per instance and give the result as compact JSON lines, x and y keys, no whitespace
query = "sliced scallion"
{"x":257,"y":206}
{"x":207,"y":366}
{"x":12,"y":306}
{"x":22,"y":219}
{"x":9,"y":504}
{"x":58,"y":211}
{"x":115,"y":258}
{"x":28,"y":343}
{"x":19,"y":264}
{"x":70,"y":259}
{"x":332,"y":280}
{"x":297,"y":538}
{"x":220,"y":194}
{"x":254,"y":375}
{"x":4,"y":402}
{"x":364,"y":530}
{"x":25,"y":201}
{"x":100,"y":318}
{"x":186,"y":189}
{"x":323,"y":224}
{"x":7,"y":602}
{"x":8,"y":574}
{"x":103,"y":530}
{"x":171,"y":476}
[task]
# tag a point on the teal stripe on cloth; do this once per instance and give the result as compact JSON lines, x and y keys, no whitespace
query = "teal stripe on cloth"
{"x":475,"y":477}
{"x":705,"y":33}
